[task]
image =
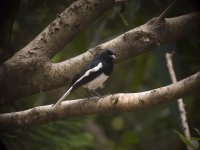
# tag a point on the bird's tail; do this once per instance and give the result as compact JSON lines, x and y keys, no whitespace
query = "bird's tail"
{"x":63,"y":97}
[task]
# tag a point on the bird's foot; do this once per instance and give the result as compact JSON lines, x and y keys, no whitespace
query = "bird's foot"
{"x":93,"y":93}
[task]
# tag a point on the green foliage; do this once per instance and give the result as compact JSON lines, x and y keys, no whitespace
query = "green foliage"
{"x":193,"y":142}
{"x":61,"y":135}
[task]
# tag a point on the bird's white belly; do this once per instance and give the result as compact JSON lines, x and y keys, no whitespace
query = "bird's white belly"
{"x":97,"y":82}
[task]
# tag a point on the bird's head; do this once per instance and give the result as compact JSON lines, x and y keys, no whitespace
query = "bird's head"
{"x":107,"y":54}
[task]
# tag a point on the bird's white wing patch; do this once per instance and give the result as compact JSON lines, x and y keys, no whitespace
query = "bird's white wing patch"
{"x":96,"y":83}
{"x":96,"y":68}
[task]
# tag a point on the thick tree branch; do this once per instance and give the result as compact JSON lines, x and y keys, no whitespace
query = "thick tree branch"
{"x":110,"y":103}
{"x":27,"y":67}
{"x":65,"y":27}
{"x":132,"y":43}
{"x":43,"y":75}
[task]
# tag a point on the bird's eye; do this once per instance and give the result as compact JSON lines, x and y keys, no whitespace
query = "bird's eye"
{"x":109,"y":53}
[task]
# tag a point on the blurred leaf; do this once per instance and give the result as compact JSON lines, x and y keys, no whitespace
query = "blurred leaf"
{"x":118,"y":123}
{"x":130,"y":138}
{"x":139,"y":69}
{"x":80,"y":43}
{"x":193,"y":144}
{"x":57,"y":135}
{"x":195,"y":138}
{"x":197,"y":130}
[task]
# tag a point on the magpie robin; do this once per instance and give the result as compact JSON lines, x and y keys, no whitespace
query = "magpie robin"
{"x":93,"y":75}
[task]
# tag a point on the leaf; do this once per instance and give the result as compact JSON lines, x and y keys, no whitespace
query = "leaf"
{"x":194,"y":143}
{"x":190,"y":143}
{"x":195,"y":138}
{"x":197,"y":130}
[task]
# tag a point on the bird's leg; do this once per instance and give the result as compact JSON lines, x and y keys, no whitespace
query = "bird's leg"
{"x":93,"y":92}
{"x":89,"y":91}
{"x":96,"y":93}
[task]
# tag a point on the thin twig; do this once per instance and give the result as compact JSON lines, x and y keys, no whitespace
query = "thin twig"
{"x":180,"y":103}
{"x":166,"y":11}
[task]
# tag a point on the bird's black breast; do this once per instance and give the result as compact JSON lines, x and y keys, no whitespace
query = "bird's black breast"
{"x":107,"y":67}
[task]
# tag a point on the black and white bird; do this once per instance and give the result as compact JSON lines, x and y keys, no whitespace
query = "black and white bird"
{"x":93,"y":75}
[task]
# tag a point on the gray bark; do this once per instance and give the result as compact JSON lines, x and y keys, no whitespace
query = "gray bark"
{"x":27,"y":73}
{"x":111,"y":103}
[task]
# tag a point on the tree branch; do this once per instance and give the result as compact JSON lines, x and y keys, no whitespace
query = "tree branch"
{"x":132,"y":43}
{"x":65,"y":27}
{"x":22,"y":78}
{"x":180,"y":103}
{"x":27,"y":67}
{"x":116,"y":102}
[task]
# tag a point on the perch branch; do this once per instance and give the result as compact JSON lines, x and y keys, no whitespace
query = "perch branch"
{"x":111,"y":103}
